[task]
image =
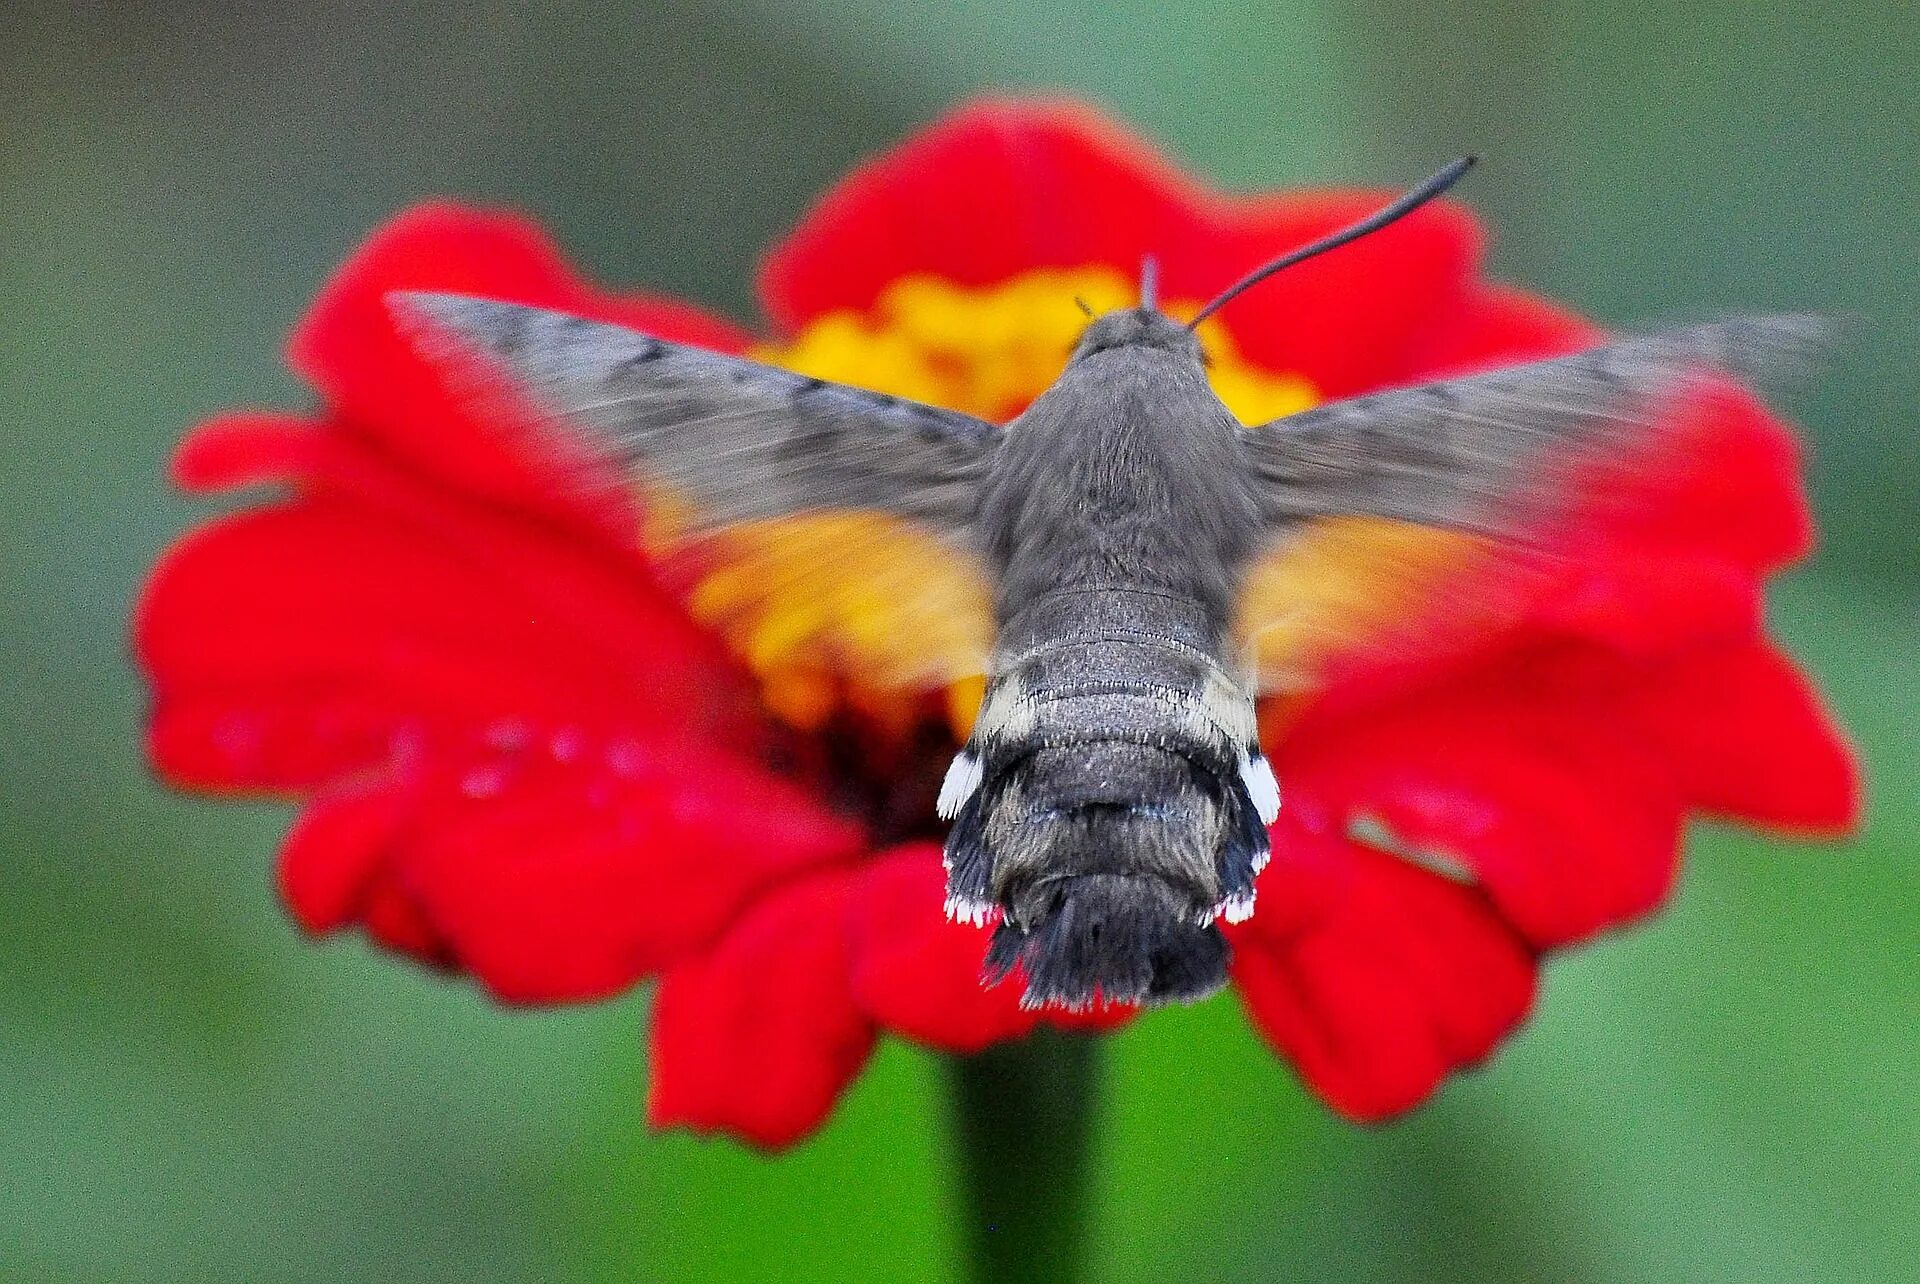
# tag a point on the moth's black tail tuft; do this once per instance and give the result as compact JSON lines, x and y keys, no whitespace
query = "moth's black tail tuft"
{"x":1112,"y":937}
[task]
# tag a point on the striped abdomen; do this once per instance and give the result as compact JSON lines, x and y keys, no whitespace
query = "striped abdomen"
{"x":1112,"y":801}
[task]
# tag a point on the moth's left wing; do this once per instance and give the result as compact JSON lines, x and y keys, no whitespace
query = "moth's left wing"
{"x":819,"y":525}
{"x":1376,"y":506}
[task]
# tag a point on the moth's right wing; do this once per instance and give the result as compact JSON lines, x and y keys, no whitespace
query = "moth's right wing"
{"x":825,"y":526}
{"x":1376,"y":506}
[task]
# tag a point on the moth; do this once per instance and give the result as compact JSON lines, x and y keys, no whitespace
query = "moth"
{"x":1127,"y":564}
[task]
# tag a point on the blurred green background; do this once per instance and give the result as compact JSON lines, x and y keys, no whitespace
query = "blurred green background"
{"x":188,"y":1092}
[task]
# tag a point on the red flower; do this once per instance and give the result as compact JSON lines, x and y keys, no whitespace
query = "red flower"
{"x":520,"y":756}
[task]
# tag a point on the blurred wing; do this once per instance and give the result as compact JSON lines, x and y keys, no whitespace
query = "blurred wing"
{"x":817,"y":524}
{"x":1376,"y":506}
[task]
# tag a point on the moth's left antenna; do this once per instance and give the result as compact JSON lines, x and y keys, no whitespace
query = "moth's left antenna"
{"x":1149,"y":283}
{"x":1372,"y":223}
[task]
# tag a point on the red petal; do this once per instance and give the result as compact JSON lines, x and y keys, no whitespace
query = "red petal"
{"x":246,"y":448}
{"x":915,"y":972}
{"x":376,"y":379}
{"x":294,"y":644}
{"x":556,"y":882}
{"x":1002,"y":188}
{"x":396,"y":922}
{"x":274,"y":630}
{"x":1400,"y":978}
{"x":1672,"y":554}
{"x":1355,"y":319}
{"x":1731,"y":487}
{"x":316,"y":590}
{"x":1649,"y":600}
{"x":1553,"y":805}
{"x":1495,"y":326}
{"x":759,"y":1036}
{"x":1746,"y":736}
{"x":334,"y":852}
{"x":993,"y":190}
{"x":267,"y":740}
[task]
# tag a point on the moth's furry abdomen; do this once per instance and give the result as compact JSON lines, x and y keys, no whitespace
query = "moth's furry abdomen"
{"x":1110,"y":937}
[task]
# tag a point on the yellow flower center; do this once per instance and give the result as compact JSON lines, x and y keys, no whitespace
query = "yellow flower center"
{"x":991,"y":350}
{"x":986,"y":351}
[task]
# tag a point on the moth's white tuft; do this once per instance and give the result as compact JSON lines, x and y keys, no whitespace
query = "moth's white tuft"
{"x":1237,"y":908}
{"x":1028,"y":1003}
{"x":963,"y":777}
{"x":964,"y":909}
{"x":1257,"y":774}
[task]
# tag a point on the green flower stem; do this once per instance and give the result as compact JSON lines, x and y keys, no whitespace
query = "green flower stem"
{"x":1025,"y":1116}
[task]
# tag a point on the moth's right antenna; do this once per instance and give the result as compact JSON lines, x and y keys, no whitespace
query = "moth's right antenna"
{"x":1372,"y":223}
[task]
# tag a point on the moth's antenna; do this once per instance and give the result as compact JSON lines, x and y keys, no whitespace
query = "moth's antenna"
{"x":1372,"y":223}
{"x":1149,"y":283}
{"x":1084,"y":306}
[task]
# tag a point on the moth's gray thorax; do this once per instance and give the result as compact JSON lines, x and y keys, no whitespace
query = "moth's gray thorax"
{"x":1127,"y":472}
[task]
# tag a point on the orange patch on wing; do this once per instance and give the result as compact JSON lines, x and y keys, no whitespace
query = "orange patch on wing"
{"x":1348,"y":590}
{"x":807,"y":601}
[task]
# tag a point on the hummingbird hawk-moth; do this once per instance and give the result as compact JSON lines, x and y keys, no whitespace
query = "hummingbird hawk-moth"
{"x":1107,"y":559}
